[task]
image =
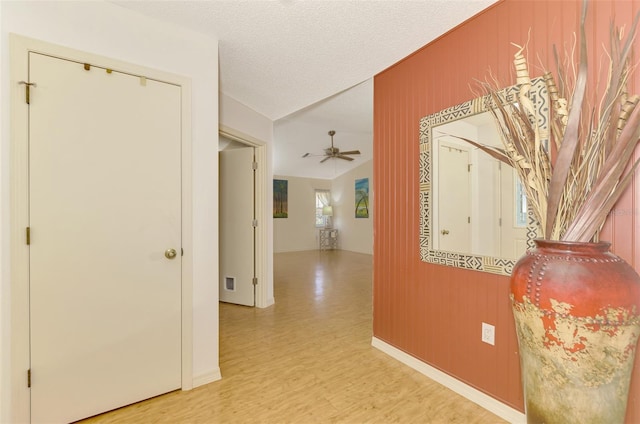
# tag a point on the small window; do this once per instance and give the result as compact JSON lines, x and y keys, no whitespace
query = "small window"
{"x":323,"y":198}
{"x":521,"y":204}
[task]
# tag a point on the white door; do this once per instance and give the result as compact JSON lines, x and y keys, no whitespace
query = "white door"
{"x":454,"y":206}
{"x":237,"y":212}
{"x":485,"y":189}
{"x":105,"y":187}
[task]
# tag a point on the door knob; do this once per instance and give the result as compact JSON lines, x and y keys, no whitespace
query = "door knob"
{"x":170,"y":253}
{"x":444,"y":232}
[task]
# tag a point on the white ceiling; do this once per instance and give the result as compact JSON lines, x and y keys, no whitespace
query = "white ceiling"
{"x":308,"y":64}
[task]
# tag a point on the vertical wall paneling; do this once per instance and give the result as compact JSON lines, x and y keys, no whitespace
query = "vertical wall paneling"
{"x":633,"y":408}
{"x":434,"y":312}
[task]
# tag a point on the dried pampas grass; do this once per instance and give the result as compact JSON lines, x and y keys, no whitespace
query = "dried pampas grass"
{"x":572,"y":193}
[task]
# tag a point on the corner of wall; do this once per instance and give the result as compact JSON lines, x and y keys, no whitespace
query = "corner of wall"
{"x":206,"y":377}
{"x":356,"y":234}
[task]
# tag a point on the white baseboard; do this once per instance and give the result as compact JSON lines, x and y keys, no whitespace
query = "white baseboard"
{"x":206,"y":378}
{"x":261,"y":305}
{"x":476,"y":396}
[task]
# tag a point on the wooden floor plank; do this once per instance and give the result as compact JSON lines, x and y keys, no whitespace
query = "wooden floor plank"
{"x":308,"y":359}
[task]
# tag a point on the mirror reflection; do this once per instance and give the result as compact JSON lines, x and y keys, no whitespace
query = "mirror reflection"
{"x":473,"y":210}
{"x":479,"y":206}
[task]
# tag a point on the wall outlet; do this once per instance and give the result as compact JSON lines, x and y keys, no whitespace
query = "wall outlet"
{"x":488,"y":333}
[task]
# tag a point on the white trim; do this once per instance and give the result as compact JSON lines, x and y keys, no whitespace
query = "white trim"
{"x":19,"y":220}
{"x":20,"y":47}
{"x":207,"y":377}
{"x":262,"y":300}
{"x":187,"y":236}
{"x":476,"y":396}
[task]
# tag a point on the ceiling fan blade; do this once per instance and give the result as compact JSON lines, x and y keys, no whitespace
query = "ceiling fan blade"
{"x":334,"y":152}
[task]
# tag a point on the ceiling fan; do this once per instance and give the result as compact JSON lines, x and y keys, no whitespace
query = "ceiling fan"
{"x":334,"y":152}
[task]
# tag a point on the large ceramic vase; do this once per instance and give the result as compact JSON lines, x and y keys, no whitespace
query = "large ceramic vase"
{"x":577,"y":314}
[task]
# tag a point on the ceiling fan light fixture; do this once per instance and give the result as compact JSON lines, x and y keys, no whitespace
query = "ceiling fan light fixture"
{"x":334,"y":152}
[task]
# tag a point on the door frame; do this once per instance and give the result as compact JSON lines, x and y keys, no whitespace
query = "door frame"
{"x":261,"y":294}
{"x":19,"y":208}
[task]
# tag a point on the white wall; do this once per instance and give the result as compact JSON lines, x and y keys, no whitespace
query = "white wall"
{"x":356,"y":234}
{"x":298,"y":231}
{"x":5,"y":295}
{"x":106,"y":29}
{"x":240,"y":118}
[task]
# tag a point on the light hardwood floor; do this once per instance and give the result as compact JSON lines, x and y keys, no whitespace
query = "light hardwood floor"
{"x":308,"y":359}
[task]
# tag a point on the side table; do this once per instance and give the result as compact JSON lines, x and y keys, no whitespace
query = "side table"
{"x":328,"y":238}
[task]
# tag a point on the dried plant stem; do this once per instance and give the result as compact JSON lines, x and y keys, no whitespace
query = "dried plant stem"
{"x":572,"y":194}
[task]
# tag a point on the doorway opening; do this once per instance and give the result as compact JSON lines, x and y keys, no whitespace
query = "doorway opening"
{"x":237,"y":146}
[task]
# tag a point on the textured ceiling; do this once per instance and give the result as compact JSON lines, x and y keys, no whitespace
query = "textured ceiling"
{"x":289,"y":59}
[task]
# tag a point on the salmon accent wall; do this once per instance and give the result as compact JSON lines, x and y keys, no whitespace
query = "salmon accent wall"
{"x":434,"y":312}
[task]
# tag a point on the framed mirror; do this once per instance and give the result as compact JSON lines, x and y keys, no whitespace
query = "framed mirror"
{"x":473,"y":210}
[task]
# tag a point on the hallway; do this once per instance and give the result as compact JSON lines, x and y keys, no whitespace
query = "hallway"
{"x":308,"y":359}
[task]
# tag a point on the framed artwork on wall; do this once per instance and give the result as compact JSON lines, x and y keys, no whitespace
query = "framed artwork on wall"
{"x":362,"y":198}
{"x":280,"y":202}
